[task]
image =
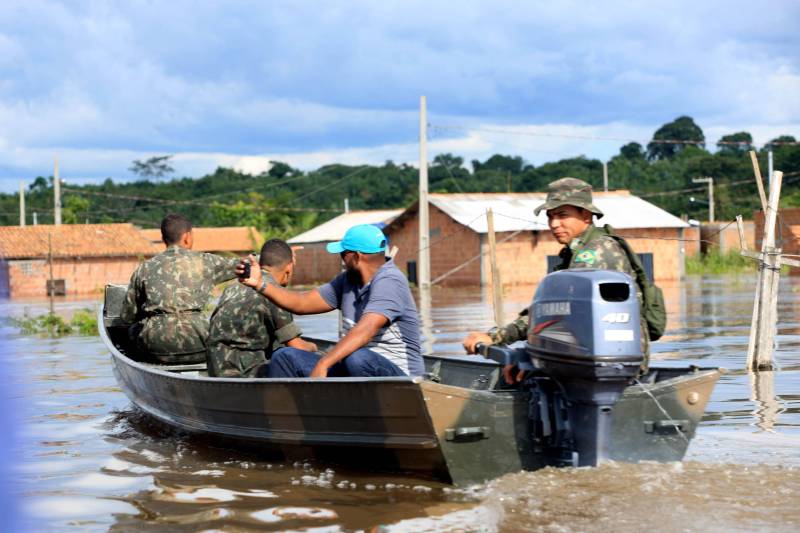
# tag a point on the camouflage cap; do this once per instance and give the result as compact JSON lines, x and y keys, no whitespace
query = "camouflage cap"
{"x":569,"y":191}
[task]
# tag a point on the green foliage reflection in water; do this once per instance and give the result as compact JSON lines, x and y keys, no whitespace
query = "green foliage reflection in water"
{"x":83,"y":323}
{"x":716,"y":262}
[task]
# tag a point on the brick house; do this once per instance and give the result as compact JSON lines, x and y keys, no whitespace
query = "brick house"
{"x":229,"y":240}
{"x":526,"y":250}
{"x":725,"y":236}
{"x":314,"y":263}
{"x":85,"y":257}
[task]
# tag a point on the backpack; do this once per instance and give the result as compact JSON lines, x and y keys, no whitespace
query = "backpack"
{"x":653,"y":308}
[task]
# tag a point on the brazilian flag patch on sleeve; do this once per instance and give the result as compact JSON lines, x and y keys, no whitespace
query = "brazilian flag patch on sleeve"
{"x":586,"y":256}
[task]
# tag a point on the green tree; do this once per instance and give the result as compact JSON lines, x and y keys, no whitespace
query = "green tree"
{"x":154,"y":167}
{"x":735,"y":143}
{"x":632,"y":151}
{"x":40,"y":184}
{"x":668,"y":140}
{"x":280,"y":170}
{"x":76,"y":210}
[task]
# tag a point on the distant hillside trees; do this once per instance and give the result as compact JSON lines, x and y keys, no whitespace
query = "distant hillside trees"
{"x":285,"y":201}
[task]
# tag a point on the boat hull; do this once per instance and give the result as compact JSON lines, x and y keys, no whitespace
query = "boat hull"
{"x":460,"y":424}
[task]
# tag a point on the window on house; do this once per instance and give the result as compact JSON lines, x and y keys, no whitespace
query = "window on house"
{"x":56,"y":287}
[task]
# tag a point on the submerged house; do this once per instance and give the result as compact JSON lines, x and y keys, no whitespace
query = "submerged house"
{"x":80,"y":258}
{"x":525,"y":249}
{"x":314,"y":263}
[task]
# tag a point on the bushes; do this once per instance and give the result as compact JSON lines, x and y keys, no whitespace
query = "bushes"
{"x":83,"y":323}
{"x":715,"y":262}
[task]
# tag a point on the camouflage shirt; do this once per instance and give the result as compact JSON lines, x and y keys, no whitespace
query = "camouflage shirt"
{"x":165,"y":300}
{"x":245,"y":329}
{"x":591,"y":249}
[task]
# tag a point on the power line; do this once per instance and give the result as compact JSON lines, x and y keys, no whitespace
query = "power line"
{"x":204,"y":200}
{"x":450,"y":127}
{"x":703,"y":187}
{"x":336,"y":182}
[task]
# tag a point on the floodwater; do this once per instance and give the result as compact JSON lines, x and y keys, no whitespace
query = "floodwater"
{"x":86,"y":460}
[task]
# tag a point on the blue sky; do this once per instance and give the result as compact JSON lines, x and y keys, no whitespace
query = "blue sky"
{"x":240,"y":83}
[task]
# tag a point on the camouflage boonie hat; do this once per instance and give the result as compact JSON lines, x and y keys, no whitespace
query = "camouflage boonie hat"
{"x":569,"y":191}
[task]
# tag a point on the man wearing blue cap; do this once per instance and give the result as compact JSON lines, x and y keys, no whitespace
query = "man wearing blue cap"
{"x":380,"y":318}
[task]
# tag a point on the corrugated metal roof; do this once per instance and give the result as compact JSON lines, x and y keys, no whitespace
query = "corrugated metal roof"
{"x":334,"y":229}
{"x":227,"y":239}
{"x":74,"y":240}
{"x":514,"y":211}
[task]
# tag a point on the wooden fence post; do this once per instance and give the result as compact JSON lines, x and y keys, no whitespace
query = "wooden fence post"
{"x":497,"y":285}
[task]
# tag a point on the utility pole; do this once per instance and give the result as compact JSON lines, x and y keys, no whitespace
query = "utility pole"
{"x":710,"y":182}
{"x":424,"y":259}
{"x":57,"y":195}
{"x":21,"y":204}
{"x":605,"y":176}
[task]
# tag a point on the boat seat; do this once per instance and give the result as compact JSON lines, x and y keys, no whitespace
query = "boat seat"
{"x":461,"y":373}
{"x":191,"y":367}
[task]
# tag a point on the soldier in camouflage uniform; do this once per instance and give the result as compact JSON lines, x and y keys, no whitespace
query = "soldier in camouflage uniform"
{"x":167,"y":293}
{"x":246,"y":328}
{"x":569,"y":213}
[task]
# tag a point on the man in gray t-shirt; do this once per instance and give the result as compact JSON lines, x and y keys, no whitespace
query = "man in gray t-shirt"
{"x":380,"y":319}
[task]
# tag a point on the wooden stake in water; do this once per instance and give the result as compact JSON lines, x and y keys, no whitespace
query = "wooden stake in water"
{"x":762,"y":333}
{"x":497,"y":285}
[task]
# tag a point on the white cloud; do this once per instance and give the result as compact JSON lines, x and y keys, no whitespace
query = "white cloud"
{"x":240,"y":83}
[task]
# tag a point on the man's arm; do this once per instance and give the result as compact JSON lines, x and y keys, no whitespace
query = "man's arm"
{"x":512,"y":332}
{"x":299,"y":303}
{"x":221,"y":268}
{"x":360,"y":334}
{"x":301,"y":344}
{"x":286,"y":331}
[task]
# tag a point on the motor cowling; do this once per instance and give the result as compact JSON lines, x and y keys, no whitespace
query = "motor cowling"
{"x":585,"y":335}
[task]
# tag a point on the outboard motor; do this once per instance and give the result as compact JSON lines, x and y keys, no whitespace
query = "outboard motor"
{"x":584,"y":335}
{"x":584,"y":347}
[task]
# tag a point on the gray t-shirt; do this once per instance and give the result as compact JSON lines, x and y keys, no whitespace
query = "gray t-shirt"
{"x":387,"y":294}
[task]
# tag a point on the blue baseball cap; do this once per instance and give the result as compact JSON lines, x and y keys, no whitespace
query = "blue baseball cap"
{"x":364,"y":238}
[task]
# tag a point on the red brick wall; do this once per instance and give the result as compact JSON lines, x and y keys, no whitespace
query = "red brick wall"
{"x":451,"y":245}
{"x":726,"y":236}
{"x":522,"y":260}
{"x":315,"y":265}
{"x":665,"y":244}
{"x":28,"y":278}
{"x":691,"y":243}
